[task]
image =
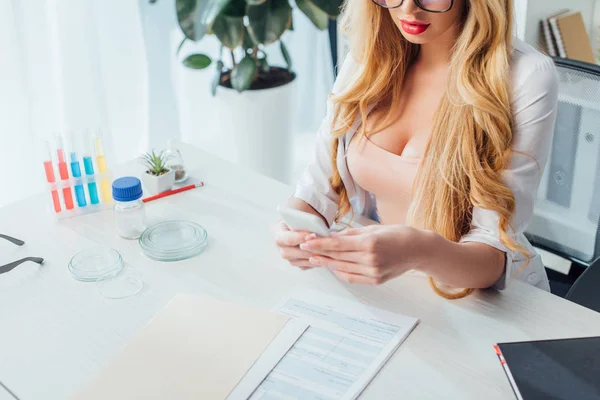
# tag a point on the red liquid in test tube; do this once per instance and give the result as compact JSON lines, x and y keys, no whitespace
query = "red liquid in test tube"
{"x":64,"y":175}
{"x":51,"y":179}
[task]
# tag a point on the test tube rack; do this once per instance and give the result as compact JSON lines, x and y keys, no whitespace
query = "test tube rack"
{"x":77,"y":185}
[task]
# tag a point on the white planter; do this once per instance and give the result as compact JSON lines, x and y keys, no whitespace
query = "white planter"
{"x":158,"y":184}
{"x":255,"y":129}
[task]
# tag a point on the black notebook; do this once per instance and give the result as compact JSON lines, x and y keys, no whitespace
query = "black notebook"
{"x":564,"y":369}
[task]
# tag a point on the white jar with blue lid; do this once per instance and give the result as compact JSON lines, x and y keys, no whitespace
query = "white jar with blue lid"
{"x":130,"y":215}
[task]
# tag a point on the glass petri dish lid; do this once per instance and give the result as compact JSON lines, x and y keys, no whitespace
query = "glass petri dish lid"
{"x":96,"y":264}
{"x":126,"y":284}
{"x":173,"y":240}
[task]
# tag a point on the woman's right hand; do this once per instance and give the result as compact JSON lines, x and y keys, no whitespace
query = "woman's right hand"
{"x":289,"y":245}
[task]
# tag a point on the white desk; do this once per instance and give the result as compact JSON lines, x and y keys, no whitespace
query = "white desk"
{"x":56,"y":332}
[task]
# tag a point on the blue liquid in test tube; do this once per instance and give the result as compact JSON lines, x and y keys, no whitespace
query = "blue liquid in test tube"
{"x":76,"y":171}
{"x":88,"y":165}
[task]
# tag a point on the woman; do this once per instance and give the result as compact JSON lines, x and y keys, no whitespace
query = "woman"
{"x":439,"y":127}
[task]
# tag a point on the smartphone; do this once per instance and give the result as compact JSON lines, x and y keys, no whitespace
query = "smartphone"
{"x":298,"y":220}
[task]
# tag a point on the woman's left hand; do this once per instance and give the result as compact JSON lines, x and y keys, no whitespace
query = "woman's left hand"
{"x":371,"y":255}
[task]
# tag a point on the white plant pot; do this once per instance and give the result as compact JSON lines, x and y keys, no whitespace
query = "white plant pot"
{"x":255,"y":129}
{"x":158,"y":184}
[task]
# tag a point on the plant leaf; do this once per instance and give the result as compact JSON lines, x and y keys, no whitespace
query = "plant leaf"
{"x":243,"y":74}
{"x":248,"y":42}
{"x":197,"y":61}
{"x":255,"y":2}
{"x":156,"y":163}
{"x":333,"y":8}
{"x":196,"y":17}
{"x":216,"y":78}
{"x":229,"y":30}
{"x":268,"y":21}
{"x":286,"y":55}
{"x":235,"y":8}
{"x":185,"y":16}
{"x":318,"y":17}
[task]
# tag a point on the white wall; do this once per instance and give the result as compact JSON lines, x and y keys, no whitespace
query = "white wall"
{"x":520,"y":18}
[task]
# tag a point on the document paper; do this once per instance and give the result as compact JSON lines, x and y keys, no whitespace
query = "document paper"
{"x":339,"y":354}
{"x":287,"y":337}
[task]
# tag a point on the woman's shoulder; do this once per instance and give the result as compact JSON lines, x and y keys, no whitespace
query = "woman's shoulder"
{"x":531,"y":69}
{"x":347,"y":71}
{"x":534,"y":99}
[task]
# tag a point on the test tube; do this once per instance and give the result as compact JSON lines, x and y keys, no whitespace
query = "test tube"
{"x":88,"y":166}
{"x":64,"y":173}
{"x":50,"y":178}
{"x":105,"y":189}
{"x":76,"y":171}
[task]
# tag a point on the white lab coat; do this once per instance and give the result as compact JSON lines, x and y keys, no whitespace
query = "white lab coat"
{"x":534,"y":104}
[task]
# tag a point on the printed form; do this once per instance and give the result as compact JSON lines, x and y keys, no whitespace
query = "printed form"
{"x":344,"y":347}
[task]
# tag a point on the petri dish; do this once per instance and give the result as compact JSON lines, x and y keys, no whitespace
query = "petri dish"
{"x":173,"y":241}
{"x":96,"y":264}
{"x":126,"y":284}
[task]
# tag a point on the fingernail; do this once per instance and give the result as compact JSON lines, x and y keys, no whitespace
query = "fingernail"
{"x":310,"y":237}
{"x":314,"y":261}
{"x":305,"y":246}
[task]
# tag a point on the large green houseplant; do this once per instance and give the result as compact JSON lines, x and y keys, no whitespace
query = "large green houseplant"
{"x":244,"y":28}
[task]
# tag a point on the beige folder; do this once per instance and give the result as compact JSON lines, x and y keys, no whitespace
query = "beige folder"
{"x":195,"y":348}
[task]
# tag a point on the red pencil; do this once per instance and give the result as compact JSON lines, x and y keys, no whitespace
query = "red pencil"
{"x":170,"y":192}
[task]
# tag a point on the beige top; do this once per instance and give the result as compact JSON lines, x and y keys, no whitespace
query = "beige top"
{"x":388,"y":176}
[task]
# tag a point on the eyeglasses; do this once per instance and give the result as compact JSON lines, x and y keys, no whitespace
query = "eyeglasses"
{"x":434,"y":6}
{"x":10,"y":266}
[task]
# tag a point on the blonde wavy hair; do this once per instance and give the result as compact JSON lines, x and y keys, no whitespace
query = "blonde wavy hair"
{"x":470,"y":143}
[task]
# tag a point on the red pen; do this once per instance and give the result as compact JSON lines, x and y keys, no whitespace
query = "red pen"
{"x":50,"y":178}
{"x":174,"y":191}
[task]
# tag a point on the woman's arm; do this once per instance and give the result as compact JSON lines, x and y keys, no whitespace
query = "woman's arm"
{"x":313,"y":192}
{"x":535,"y":102}
{"x":461,"y":265}
{"x":378,"y":253}
{"x":481,"y":259}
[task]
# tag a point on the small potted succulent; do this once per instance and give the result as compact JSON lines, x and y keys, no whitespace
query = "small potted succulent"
{"x":157,"y":178}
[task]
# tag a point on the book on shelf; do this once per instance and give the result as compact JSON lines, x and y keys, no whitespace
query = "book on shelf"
{"x":564,"y":35}
{"x":548,"y":43}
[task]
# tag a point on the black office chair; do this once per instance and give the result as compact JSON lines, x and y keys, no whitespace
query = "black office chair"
{"x":566,"y":216}
{"x":585,"y":290}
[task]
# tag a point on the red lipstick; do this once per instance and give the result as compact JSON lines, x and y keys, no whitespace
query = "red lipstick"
{"x":413,"y":27}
